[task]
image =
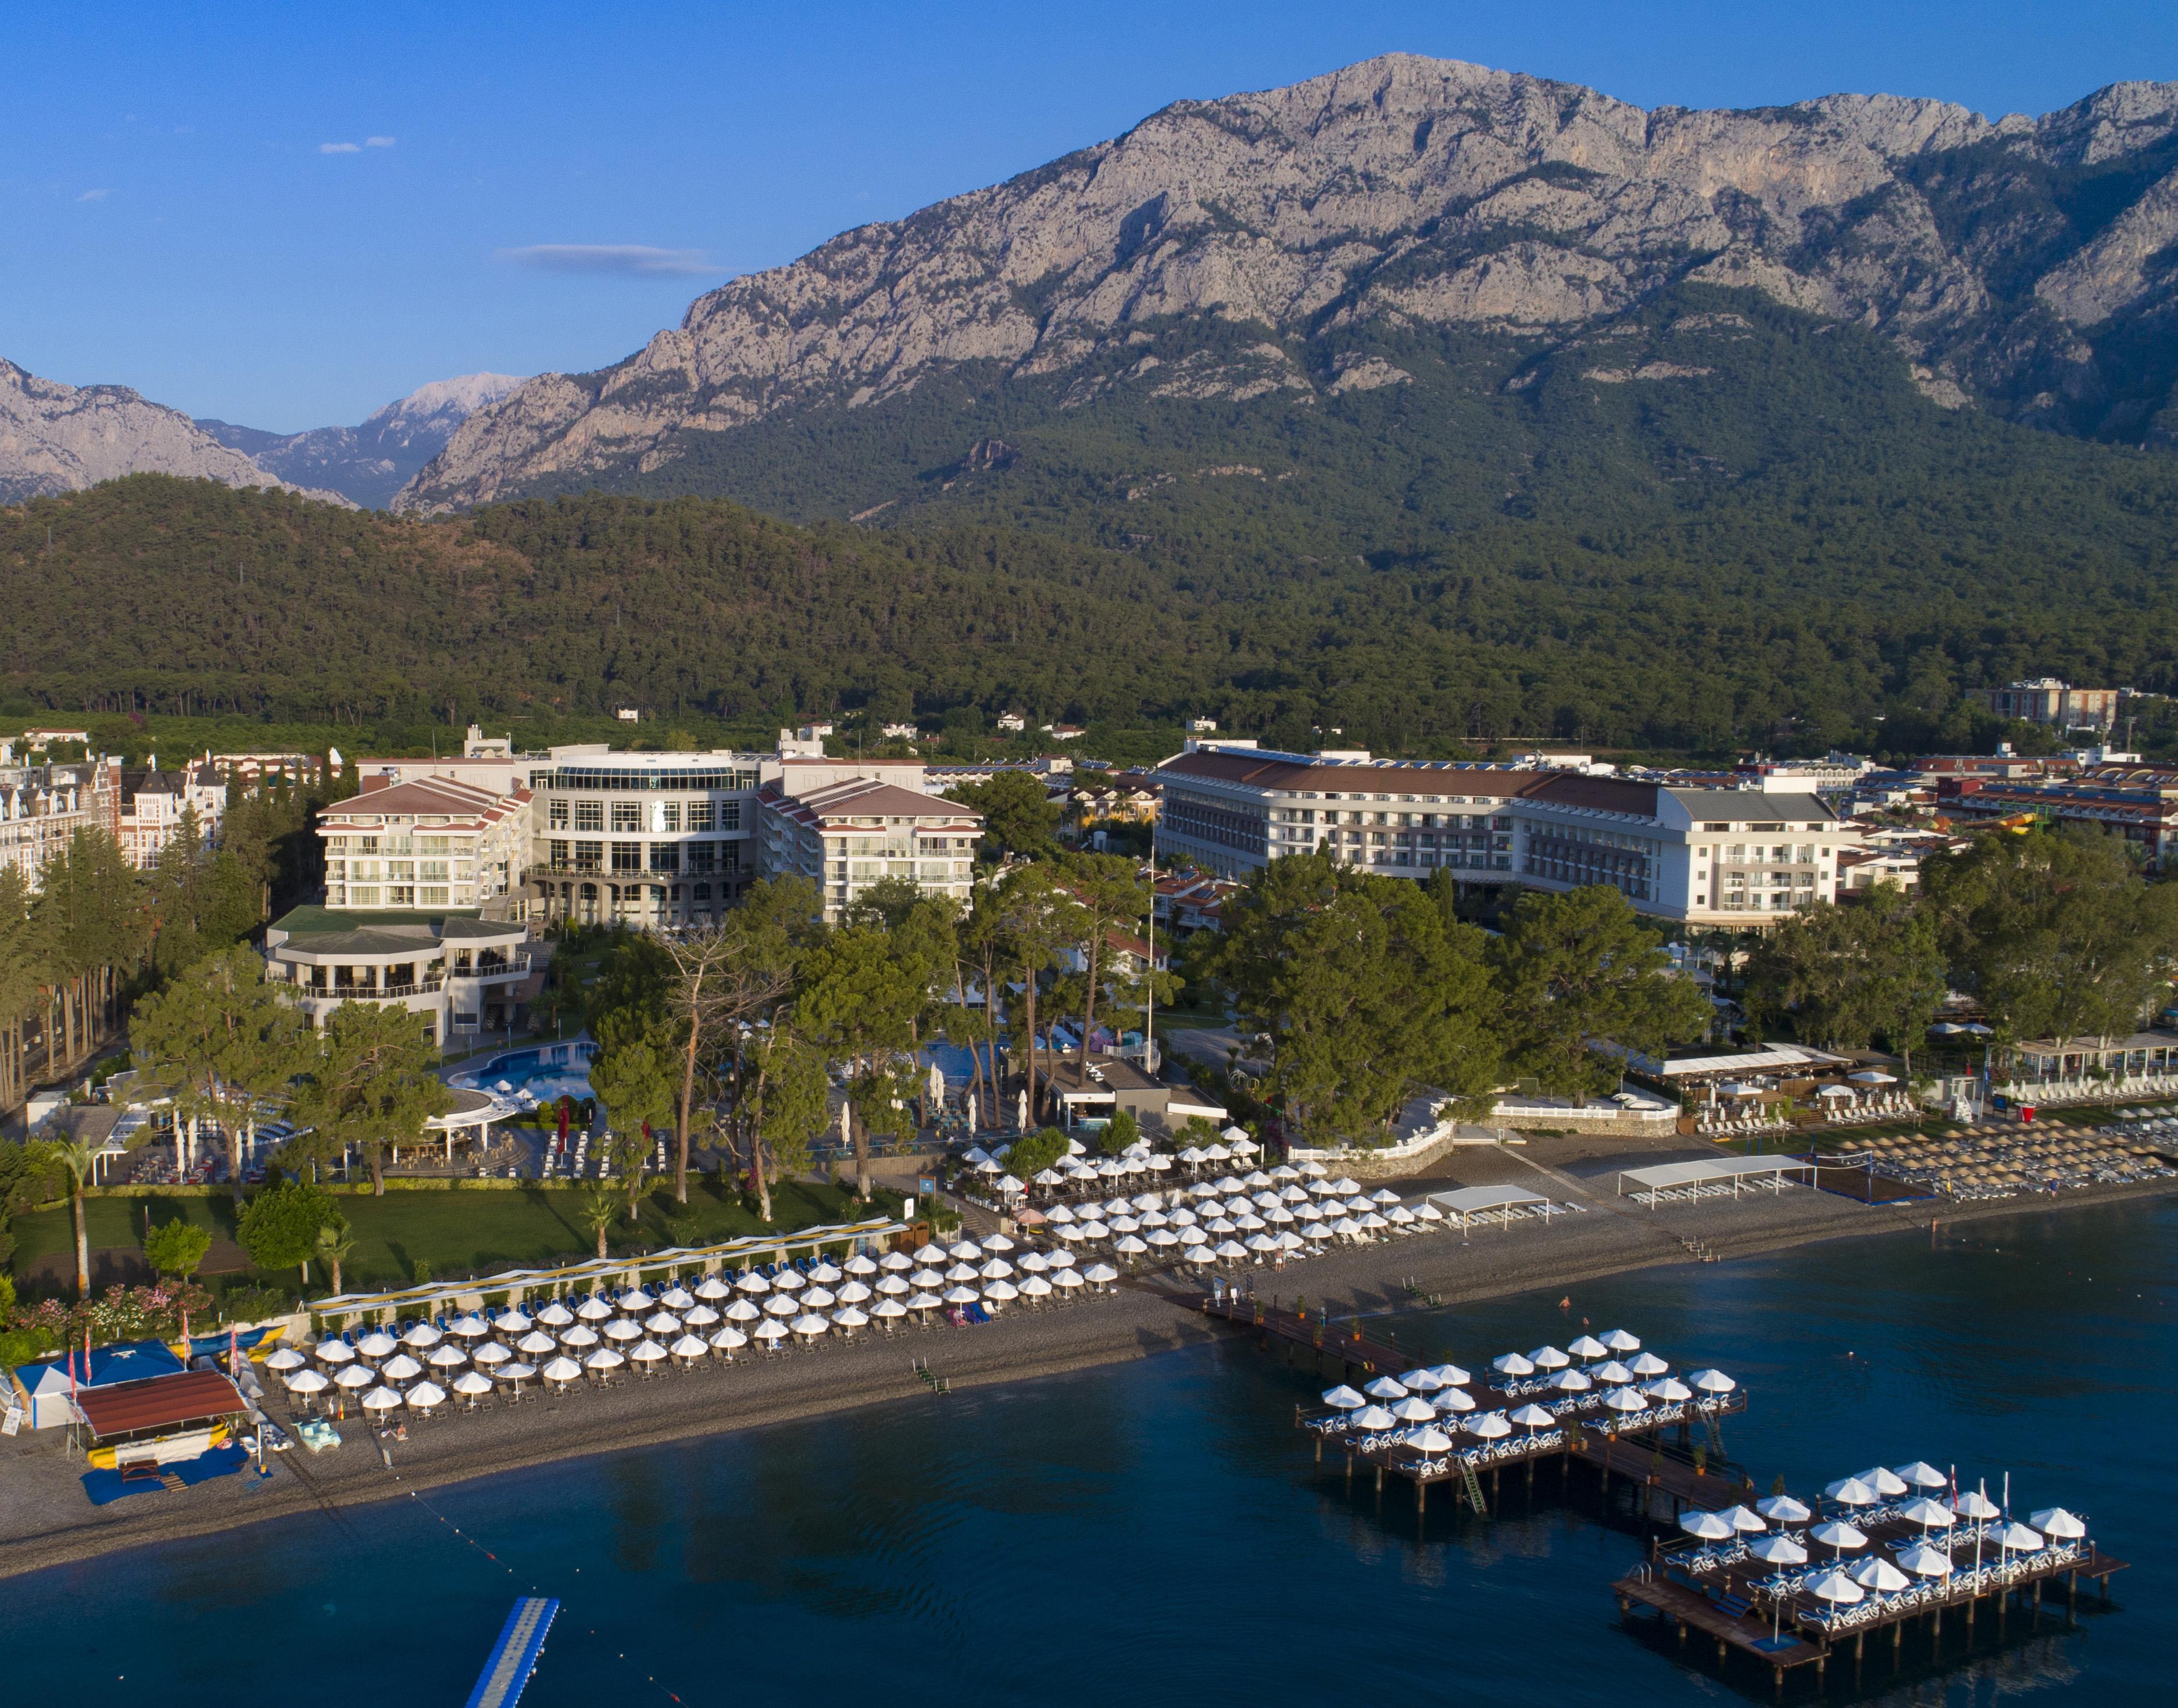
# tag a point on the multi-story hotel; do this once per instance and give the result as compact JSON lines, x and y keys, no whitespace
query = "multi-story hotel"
{"x":431,"y":844}
{"x":1705,"y":856}
{"x":846,"y":830}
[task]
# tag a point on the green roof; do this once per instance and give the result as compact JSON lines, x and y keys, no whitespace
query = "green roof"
{"x":316,"y":921}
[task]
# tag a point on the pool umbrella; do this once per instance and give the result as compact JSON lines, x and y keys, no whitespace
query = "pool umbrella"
{"x":335,"y":1351}
{"x":1613,"y":1372}
{"x":662,"y":1323}
{"x":1850,"y":1491}
{"x":1386,"y":1388}
{"x":1667,"y":1391}
{"x":308,"y":1382}
{"x":1922,"y":1475}
{"x":594,"y":1309}
{"x":1971,"y":1503}
{"x":1834,"y":1585}
{"x":423,"y":1335}
{"x":2017,"y":1538}
{"x":1618,"y":1340}
{"x":512,"y":1321}
{"x":604,"y":1358}
{"x":378,"y":1344}
{"x":1709,"y":1526}
{"x":562,"y":1370}
{"x":491,"y":1352}
{"x":1548,"y":1358}
{"x":929,"y":1279}
{"x":1344,"y":1399}
{"x":930,"y":1254}
{"x":1511,"y":1364}
{"x":1414,"y":1410}
{"x":1778,"y":1551}
{"x":1647,"y":1364}
{"x":2055,"y":1521}
{"x":580,"y":1336}
{"x":647,"y":1352}
{"x":1836,"y":1535}
{"x":1572,"y":1381}
{"x":1740,"y":1519}
{"x":352,"y":1376}
{"x":752,"y":1282}
{"x":537,"y":1344}
{"x":469,"y":1326}
{"x":1782,"y":1508}
{"x":1876,"y":1573}
{"x":1712,"y":1381}
{"x":401,"y":1367}
{"x":1491,"y":1426}
{"x":471,"y":1386}
{"x":1588,"y":1346}
{"x":554,"y":1315}
{"x":1451,"y":1400}
{"x":1925,"y":1561}
{"x":1534,"y":1417}
{"x":446,"y":1357}
{"x":1886,"y":1483}
{"x":286,"y":1358}
{"x":1928,"y":1514}
{"x":1373,"y":1417}
{"x":381,"y":1399}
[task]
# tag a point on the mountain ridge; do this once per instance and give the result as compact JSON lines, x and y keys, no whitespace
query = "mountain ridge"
{"x":2019,"y":265}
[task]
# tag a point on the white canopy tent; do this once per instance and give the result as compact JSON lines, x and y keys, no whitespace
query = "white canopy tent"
{"x":1653,"y":1185}
{"x":1471,"y":1204}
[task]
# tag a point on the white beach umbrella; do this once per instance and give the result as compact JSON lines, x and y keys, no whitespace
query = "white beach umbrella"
{"x":1451,"y":1375}
{"x":782,"y":1306}
{"x":623,"y":1330}
{"x":676,"y":1298}
{"x":861,"y":1265}
{"x":892,"y":1286}
{"x":826,"y":1272}
{"x":1345,"y":1187}
{"x":1100,"y":1274}
{"x":352,"y":1376}
{"x":378,"y":1344}
{"x":1262,"y":1244}
{"x":1035,"y":1263}
{"x":1414,"y":1409}
{"x":790,"y":1279}
{"x":401,"y":1367}
{"x":1876,"y":1573}
{"x":2017,"y":1538}
{"x":420,"y":1336}
{"x":771,"y":1331}
{"x":1850,"y":1491}
{"x":1668,"y":1391}
{"x":556,"y":1315}
{"x":1885,"y":1482}
{"x":1448,"y":1401}
{"x":899,"y":1262}
{"x":1163,"y":1238}
{"x":512,"y":1321}
{"x":1611,"y":1373}
{"x":1036,"y":1287}
{"x":1835,"y":1533}
{"x":446,"y":1357}
{"x":1534,"y":1417}
{"x":1548,"y":1358}
{"x":698,"y":1317}
{"x":1712,"y":1381}
{"x":1427,"y":1212}
{"x":1778,"y":1551}
{"x":1870,"y":1076}
{"x":1316,"y":1233}
{"x":728,"y":1338}
{"x":1511,"y":1364}
{"x":1588,"y":1346}
{"x":1422,"y":1381}
{"x":1928,"y":1514}
{"x":999,"y":1292}
{"x":1782,"y":1508}
{"x":1618,"y":1340}
{"x":2055,"y":1521}
{"x":1386,"y":1388}
{"x":562,"y":1370}
{"x":1344,"y":1399}
{"x":491,"y":1352}
{"x":1572,"y":1381}
{"x":960,"y":1296}
{"x":1708,"y":1526}
{"x":469,"y":1326}
{"x":647,"y":1351}
{"x":930,"y":1254}
{"x":1925,"y":1561}
{"x":997,"y":1268}
{"x":891,"y":1309}
{"x":635,"y":1301}
{"x":1647,"y":1364}
{"x":927,"y":1279}
{"x":594,"y":1309}
{"x":286,"y":1358}
{"x":1066,"y":1280}
{"x":1428,"y":1438}
{"x":662,"y":1323}
{"x":334,"y":1351}
{"x":1491,"y":1426}
{"x":1971,"y":1503}
{"x":1626,"y":1399}
{"x":308,"y":1382}
{"x":381,"y":1399}
{"x":854,"y":1292}
{"x":1741,"y":1520}
{"x":1920,"y":1474}
{"x":471,"y":1386}
{"x":810,"y":1325}
{"x":1834,"y":1585}
{"x":742,"y":1311}
{"x":1199,"y":1254}
{"x":581,"y":1337}
{"x":750,"y":1282}
{"x":819,"y":1298}
{"x":850,"y":1317}
{"x":604,"y":1358}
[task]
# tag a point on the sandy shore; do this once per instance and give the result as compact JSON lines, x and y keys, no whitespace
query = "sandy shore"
{"x":45,"y":1521}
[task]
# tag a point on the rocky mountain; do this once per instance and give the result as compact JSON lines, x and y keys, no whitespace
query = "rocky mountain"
{"x":2026,"y":267}
{"x":370,"y":463}
{"x":57,"y":438}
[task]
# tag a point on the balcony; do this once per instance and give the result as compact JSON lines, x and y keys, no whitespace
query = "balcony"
{"x":513,"y":967}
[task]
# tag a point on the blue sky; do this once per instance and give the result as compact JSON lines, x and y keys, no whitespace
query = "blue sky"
{"x":192,"y":202}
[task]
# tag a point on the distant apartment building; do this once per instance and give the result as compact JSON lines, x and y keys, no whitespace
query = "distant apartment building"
{"x":1727,"y":858}
{"x":847,"y":827}
{"x":251,"y":769}
{"x":43,"y":806}
{"x":1836,"y":774}
{"x":435,"y":842}
{"x":153,"y":801}
{"x":2045,"y":699}
{"x":2137,"y":802}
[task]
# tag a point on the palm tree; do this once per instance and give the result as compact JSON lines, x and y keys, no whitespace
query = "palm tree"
{"x":336,"y":1242}
{"x":600,"y":1207}
{"x":79,"y":1157}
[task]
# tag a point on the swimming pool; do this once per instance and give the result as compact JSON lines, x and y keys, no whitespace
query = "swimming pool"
{"x":547,"y":1073}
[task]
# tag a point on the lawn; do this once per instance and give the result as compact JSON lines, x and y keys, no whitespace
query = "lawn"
{"x":454,"y":1234}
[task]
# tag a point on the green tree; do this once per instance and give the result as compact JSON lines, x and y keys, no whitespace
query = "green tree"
{"x":792,"y":1100}
{"x":2056,"y":933}
{"x":1034,"y":1151}
{"x":370,"y":1086}
{"x":335,"y":1245}
{"x":22,"y":984}
{"x":1037,"y":921}
{"x":176,"y":1247}
{"x":279,"y":1228}
{"x":1580,"y":968}
{"x":224,"y":1038}
{"x":600,"y":1207}
{"x":1848,"y":974}
{"x":859,"y":1003}
{"x":1122,"y":1131}
{"x":1111,"y":896}
{"x":77,"y":1158}
{"x":633,"y":1075}
{"x":1019,"y":816}
{"x":94,"y":926}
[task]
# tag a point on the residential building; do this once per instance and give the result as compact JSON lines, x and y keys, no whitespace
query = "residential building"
{"x":250,"y":769}
{"x":1836,"y":774}
{"x":1111,"y":1083}
{"x":1186,"y":902}
{"x":900,"y":731}
{"x":43,"y":806}
{"x":1889,"y":854}
{"x":2137,"y":802}
{"x":846,"y":832}
{"x":463,"y":977}
{"x":1055,"y":774}
{"x":1703,"y":856}
{"x":652,"y":839}
{"x":1064,"y":732}
{"x":2045,"y":699}
{"x":434,"y":842}
{"x":153,"y":801}
{"x":1013,"y":723}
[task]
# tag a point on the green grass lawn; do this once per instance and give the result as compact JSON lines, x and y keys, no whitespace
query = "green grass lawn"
{"x":460,"y":1233}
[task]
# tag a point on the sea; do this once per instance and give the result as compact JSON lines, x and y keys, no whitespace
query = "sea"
{"x":1156,"y":1533}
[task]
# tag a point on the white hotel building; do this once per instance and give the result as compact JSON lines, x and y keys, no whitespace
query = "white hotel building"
{"x":1719,"y":858}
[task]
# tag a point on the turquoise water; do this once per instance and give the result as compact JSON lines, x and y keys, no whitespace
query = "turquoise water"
{"x":546,"y":1072}
{"x":1155,"y":1533}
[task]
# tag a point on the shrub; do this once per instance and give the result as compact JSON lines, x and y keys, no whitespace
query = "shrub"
{"x":253,"y":1304}
{"x":176,"y":1247}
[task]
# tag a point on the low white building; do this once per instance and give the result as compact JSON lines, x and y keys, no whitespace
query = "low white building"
{"x":463,"y":977}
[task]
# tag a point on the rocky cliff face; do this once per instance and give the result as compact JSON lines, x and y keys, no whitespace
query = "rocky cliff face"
{"x":370,"y":463}
{"x":55,"y":439}
{"x":2022,"y":265}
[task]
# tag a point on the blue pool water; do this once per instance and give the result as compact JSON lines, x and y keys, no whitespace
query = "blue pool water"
{"x":1155,"y":1533}
{"x":546,"y":1072}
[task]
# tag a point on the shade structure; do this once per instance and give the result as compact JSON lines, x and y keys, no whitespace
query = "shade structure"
{"x":2017,"y":1538}
{"x":446,"y":1357}
{"x":1835,"y":1533}
{"x":378,"y":1344}
{"x":1386,"y":1388}
{"x":1873,"y":1075}
{"x":332,"y":1351}
{"x":1887,"y":1483}
{"x":1534,"y":1417}
{"x":647,"y":1352}
{"x":537,"y":1344}
{"x":1669,"y":1391}
{"x":750,"y":1282}
{"x":929,"y":1254}
{"x":1068,"y":1280}
{"x":662,"y":1323}
{"x":1919,"y":1474}
{"x":1778,"y":1551}
{"x":771,"y":1331}
{"x":1708,"y":1526}
{"x":1971,"y":1503}
{"x":728,"y":1338}
{"x":849,"y":1316}
{"x":1414,"y":1409}
{"x":1449,"y":1401}
{"x":471,"y":1386}
{"x":1001,"y":1291}
{"x":1850,"y":1491}
{"x":1230,"y":1250}
{"x":1927,"y":1514}
{"x":1611,"y":1373}
{"x":562,"y":1370}
{"x":309,"y":1381}
{"x":826,"y":1272}
{"x":1034,"y":1286}
{"x":381,"y":1399}
{"x":1102,"y":1274}
{"x":676,"y":1298}
{"x":1422,"y":1381}
{"x":491,"y":1353}
{"x":897,"y":1261}
{"x":1588,"y":1346}
{"x":421,"y":1335}
{"x":1129,"y":1245}
{"x":604,"y":1358}
{"x":517,"y":1373}
{"x":888,"y":1310}
{"x":1782,"y":1508}
{"x":594,"y":1309}
{"x":1646,"y":1364}
{"x":1618,"y":1340}
{"x":1511,"y":1364}
{"x":469,"y":1326}
{"x":513,"y":1321}
{"x":1926,"y":1562}
{"x":782,"y":1306}
{"x":1491,"y":1426}
{"x":1548,"y":1358}
{"x":1428,"y":1439}
{"x":286,"y":1358}
{"x":1876,"y":1573}
{"x":711,"y":1289}
{"x":1373,"y":1417}
{"x":635,"y":1301}
{"x":352,"y":1377}
{"x":1711,"y":1382}
{"x":790,"y":1280}
{"x":400,"y":1367}
{"x":1741,"y":1520}
{"x":556,"y":1315}
{"x":698,"y":1317}
{"x":582,"y":1337}
{"x":1344,"y":1399}
{"x":854,"y":1292}
{"x":960,"y":1296}
{"x":930,"y":1301}
{"x":1628,"y":1400}
{"x":818,"y":1298}
{"x":2055,"y":1521}
{"x":1834,"y":1585}
{"x":1572,"y":1381}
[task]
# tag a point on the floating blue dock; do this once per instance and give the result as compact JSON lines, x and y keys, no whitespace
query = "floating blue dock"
{"x":514,"y":1656}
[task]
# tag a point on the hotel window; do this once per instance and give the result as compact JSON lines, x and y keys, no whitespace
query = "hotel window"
{"x":665,"y":856}
{"x":700,"y":815}
{"x":560,"y":856}
{"x":432,"y":871}
{"x":667,"y":816}
{"x":363,"y":897}
{"x":700,"y":857}
{"x":628,"y":814}
{"x":730,"y":856}
{"x":435,"y":895}
{"x":336,"y":844}
{"x":589,"y":856}
{"x":401,"y":895}
{"x":558,"y":811}
{"x":627,"y":856}
{"x":590,"y":814}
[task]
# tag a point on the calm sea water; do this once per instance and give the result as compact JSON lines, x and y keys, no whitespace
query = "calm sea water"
{"x":1156,"y":1533}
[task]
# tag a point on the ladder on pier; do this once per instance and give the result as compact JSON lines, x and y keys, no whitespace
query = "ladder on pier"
{"x":1474,"y":1489}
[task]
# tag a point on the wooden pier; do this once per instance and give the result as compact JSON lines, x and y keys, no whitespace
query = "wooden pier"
{"x":1339,"y":1345}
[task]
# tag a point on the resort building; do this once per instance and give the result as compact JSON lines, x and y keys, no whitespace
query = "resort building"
{"x":152,"y":802}
{"x":655,"y":839}
{"x":42,"y":806}
{"x":463,"y":977}
{"x":2045,"y":699}
{"x":1725,"y":858}
{"x":2137,"y":802}
{"x":431,"y":843}
{"x":846,"y":831}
